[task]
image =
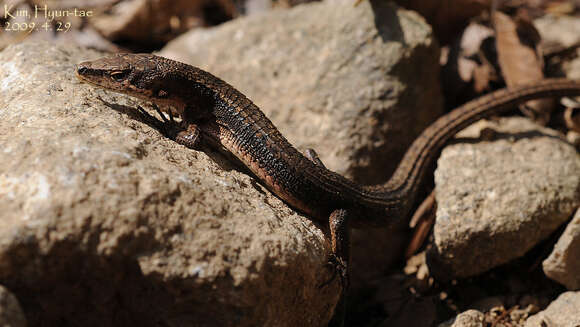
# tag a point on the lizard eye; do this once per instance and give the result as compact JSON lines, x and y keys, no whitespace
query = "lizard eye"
{"x":119,"y":76}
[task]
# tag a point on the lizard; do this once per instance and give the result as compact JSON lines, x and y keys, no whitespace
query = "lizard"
{"x":214,"y":111}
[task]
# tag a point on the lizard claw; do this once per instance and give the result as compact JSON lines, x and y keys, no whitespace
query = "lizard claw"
{"x":163,"y":118}
{"x":339,"y":269}
{"x":169,"y":128}
{"x":149,"y":119}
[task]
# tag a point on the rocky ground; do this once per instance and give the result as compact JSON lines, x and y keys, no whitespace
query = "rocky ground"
{"x":104,"y":221}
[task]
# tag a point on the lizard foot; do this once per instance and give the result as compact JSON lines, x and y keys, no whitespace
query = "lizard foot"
{"x":339,"y":269}
{"x":168,"y":127}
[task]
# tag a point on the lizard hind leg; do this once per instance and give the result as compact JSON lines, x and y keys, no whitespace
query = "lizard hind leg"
{"x":339,"y":260}
{"x":190,"y":136}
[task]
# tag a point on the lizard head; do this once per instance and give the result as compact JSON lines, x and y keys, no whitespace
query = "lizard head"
{"x":143,"y":76}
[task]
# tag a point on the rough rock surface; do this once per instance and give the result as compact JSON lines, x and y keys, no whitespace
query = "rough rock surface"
{"x":563,"y":264}
{"x":469,"y":318}
{"x":104,"y":222}
{"x":563,"y":312}
{"x":11,"y":314}
{"x":357,"y":84}
{"x":497,"y":199}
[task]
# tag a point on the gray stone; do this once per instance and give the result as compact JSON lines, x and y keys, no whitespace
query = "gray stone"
{"x":496,"y":200}
{"x":103,"y":221}
{"x":563,"y":312}
{"x":563,"y":264}
{"x":469,"y":318}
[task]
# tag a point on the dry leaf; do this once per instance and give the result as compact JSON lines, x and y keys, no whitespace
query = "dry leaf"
{"x":422,"y":222}
{"x":482,"y":75}
{"x":516,"y":43}
{"x":560,"y":8}
{"x":572,"y":118}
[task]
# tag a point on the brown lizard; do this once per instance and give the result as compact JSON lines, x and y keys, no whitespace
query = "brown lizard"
{"x":215,"y":111}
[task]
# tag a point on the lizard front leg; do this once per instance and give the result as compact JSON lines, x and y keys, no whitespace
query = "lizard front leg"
{"x":186,"y":133}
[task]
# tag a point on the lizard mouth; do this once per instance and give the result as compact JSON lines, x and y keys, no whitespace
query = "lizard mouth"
{"x":80,"y":72}
{"x":88,"y":75}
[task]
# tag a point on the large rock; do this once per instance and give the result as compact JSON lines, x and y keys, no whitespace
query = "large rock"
{"x":496,"y":200}
{"x":357,"y":84}
{"x":563,"y":312}
{"x":563,"y":264}
{"x":104,"y":222}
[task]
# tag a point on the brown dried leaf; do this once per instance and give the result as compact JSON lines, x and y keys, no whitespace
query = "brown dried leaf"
{"x":517,"y":57}
{"x":572,"y":118}
{"x":517,"y":42}
{"x":482,"y":75}
{"x":422,"y":221}
{"x":560,"y":8}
